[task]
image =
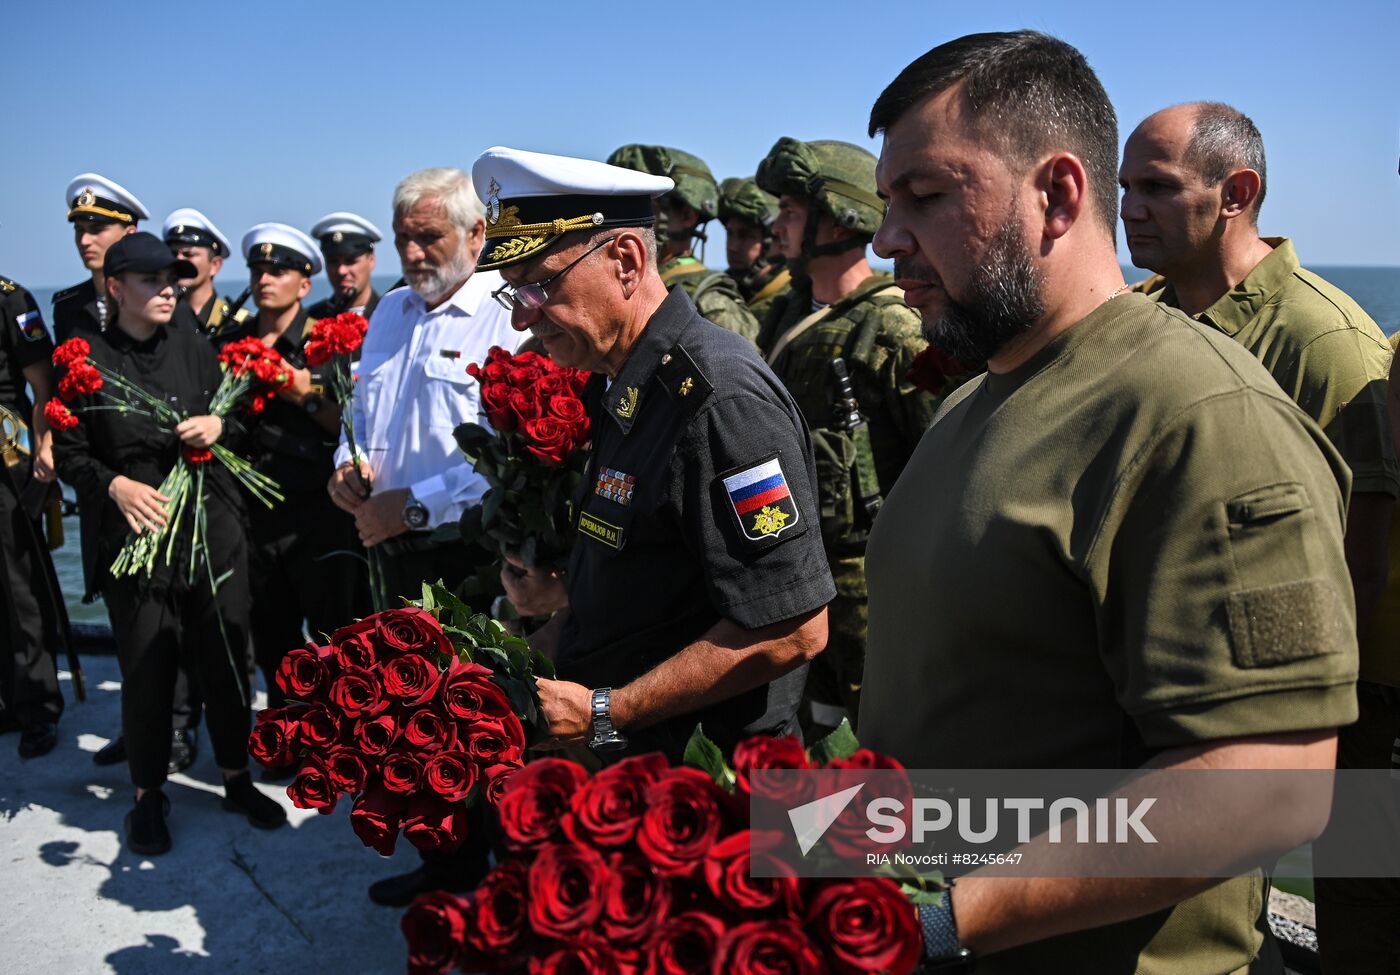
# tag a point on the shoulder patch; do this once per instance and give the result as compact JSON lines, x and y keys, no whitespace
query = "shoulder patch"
{"x":31,"y":326}
{"x":760,"y":500}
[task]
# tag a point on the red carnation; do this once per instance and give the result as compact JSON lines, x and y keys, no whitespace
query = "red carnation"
{"x":330,"y":337}
{"x":606,"y":810}
{"x":312,"y":788}
{"x":430,"y":823}
{"x":566,"y":885}
{"x":537,"y":799}
{"x":376,"y":817}
{"x":195,"y":455}
{"x":80,"y":380}
{"x":59,"y":416}
{"x":451,"y":775}
{"x":435,"y":926}
{"x":685,"y":944}
{"x":777,"y":947}
{"x":73,"y":351}
{"x":402,"y":771}
{"x":682,"y":821}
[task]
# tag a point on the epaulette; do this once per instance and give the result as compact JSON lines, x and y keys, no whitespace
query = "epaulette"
{"x":66,"y":293}
{"x":6,"y":285}
{"x":682,"y":379}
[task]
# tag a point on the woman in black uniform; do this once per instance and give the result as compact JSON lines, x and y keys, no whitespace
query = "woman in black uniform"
{"x":115,"y":461}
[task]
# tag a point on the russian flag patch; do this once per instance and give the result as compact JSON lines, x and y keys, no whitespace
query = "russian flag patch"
{"x":760,"y":499}
{"x":31,"y":326}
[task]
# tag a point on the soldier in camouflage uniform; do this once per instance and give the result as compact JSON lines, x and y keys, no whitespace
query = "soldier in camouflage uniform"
{"x":841,"y":315}
{"x":747,"y":214}
{"x":680,"y":221}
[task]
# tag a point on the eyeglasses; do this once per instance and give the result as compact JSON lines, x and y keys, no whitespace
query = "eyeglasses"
{"x":528,"y":297}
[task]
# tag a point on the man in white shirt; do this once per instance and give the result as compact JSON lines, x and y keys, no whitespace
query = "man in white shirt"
{"x":413,"y":389}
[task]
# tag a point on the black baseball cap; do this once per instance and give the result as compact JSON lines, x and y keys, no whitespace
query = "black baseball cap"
{"x":145,"y":254}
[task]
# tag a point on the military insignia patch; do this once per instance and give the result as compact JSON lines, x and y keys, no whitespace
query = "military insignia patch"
{"x":615,"y":486}
{"x":627,"y":406}
{"x":31,"y":326}
{"x":761,"y":500}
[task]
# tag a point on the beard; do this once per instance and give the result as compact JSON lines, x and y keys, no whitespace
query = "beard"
{"x":1004,"y":299}
{"x":433,"y":282}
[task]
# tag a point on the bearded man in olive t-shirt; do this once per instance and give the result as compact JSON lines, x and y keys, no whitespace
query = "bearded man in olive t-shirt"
{"x":1120,"y":548}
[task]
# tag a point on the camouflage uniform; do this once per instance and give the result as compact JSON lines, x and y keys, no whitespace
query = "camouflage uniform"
{"x":878,"y":336}
{"x":715,"y":293}
{"x":765,"y":280}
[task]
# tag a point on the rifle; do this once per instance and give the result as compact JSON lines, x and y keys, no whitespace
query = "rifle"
{"x":847,"y":418}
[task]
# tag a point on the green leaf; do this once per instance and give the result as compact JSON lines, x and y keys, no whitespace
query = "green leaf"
{"x":491,"y":504}
{"x":841,"y":743}
{"x":705,"y":755}
{"x":426,"y":603}
{"x":918,"y":894}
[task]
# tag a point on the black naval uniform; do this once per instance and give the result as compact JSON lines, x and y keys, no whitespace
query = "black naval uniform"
{"x":158,"y":619}
{"x":212,"y":320}
{"x":30,"y":613}
{"x":329,"y":307}
{"x":301,"y":561}
{"x":663,"y":551}
{"x":75,"y":310}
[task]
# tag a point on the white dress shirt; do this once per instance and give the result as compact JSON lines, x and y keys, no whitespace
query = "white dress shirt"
{"x":413,"y":389}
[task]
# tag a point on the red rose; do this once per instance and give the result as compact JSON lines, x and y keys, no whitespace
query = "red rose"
{"x":495,"y":403}
{"x":435,"y":927}
{"x":523,"y":377}
{"x":556,"y":383}
{"x":59,"y":416}
{"x":273,"y":738}
{"x":356,"y":692}
{"x":495,"y":372}
{"x":866,"y":925}
{"x":525,"y":404}
{"x":410,"y":678}
{"x":729,"y":876}
{"x":376,"y":733}
{"x":498,"y":777}
{"x":466,"y":693}
{"x":375,"y":818}
{"x":566,"y":885}
{"x":536,"y":800}
{"x":550,"y":440}
{"x":588,"y":955}
{"x":301,"y":673}
{"x":319,"y":728}
{"x":402,"y":771}
{"x":682,"y":821}
{"x":501,"y":740}
{"x":430,"y":823}
{"x":426,"y":731}
{"x":312,"y":788}
{"x":847,"y":835}
{"x":451,"y":775}
{"x":500,"y":915}
{"x":572,"y":412}
{"x":606,"y":810}
{"x":762,"y":751}
{"x":634,"y":900}
{"x":347,"y":770}
{"x":70,"y":352}
{"x":353,"y":645}
{"x":411,"y":630}
{"x":685,"y":944}
{"x":777,"y":947}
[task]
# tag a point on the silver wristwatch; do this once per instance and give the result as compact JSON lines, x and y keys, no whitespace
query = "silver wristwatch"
{"x":415,"y":514}
{"x":605,"y":737}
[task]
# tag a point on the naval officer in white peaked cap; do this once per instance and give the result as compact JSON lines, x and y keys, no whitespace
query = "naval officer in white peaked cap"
{"x":347,"y":244}
{"x":101,"y":212}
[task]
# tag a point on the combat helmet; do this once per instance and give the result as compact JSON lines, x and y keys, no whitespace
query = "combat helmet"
{"x":743,"y":199}
{"x":695,"y":184}
{"x":838,"y":177}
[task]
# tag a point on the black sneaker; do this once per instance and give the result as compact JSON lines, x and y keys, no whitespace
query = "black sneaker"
{"x":241,"y":796}
{"x":184,"y":747}
{"x":38,"y":739}
{"x":146,"y":832}
{"x":112,"y":753}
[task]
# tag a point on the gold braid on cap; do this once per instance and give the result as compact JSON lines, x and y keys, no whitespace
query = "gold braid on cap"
{"x":510,"y":226}
{"x":103,"y":212}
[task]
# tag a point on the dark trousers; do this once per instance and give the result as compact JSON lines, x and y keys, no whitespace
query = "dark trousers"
{"x":29,"y":621}
{"x":305,"y":577}
{"x":156,"y":623}
{"x":1358,"y":918}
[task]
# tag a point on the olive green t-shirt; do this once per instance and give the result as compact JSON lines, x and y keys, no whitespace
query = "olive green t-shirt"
{"x":1132,"y":542}
{"x":1323,"y":350}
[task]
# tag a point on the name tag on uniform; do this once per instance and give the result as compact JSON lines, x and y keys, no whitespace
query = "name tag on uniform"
{"x":600,"y":530}
{"x":449,"y":353}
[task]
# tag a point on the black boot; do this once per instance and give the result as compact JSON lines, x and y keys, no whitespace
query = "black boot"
{"x":38,"y":739}
{"x":184,"y":748}
{"x":112,"y":753}
{"x":146,"y":832}
{"x":241,"y":796}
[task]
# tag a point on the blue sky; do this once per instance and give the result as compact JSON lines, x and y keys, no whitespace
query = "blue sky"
{"x":285,"y":111}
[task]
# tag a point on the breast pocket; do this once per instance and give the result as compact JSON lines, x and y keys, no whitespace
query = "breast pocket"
{"x":454,"y":396}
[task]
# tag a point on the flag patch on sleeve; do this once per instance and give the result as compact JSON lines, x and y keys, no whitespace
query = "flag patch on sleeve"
{"x":761,"y":500}
{"x":31,"y":326}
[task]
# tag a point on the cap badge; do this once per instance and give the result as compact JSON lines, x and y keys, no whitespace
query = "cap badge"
{"x":86,"y":198}
{"x":180,"y":229}
{"x":266,"y":250}
{"x":493,"y":202}
{"x":337,"y":237}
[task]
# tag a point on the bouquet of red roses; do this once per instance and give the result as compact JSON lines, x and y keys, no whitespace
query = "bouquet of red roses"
{"x":531,"y":455}
{"x":418,"y":713}
{"x":647,"y":868}
{"x":333,"y":340}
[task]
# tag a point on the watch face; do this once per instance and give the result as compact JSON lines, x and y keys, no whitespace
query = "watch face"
{"x":416,"y":516}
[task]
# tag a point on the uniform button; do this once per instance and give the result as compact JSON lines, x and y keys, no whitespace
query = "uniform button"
{"x":666,"y":359}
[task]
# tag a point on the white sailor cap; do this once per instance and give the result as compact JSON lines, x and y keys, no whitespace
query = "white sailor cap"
{"x":188,"y":226}
{"x":277,"y":243}
{"x":345,"y":234}
{"x":93,"y":197}
{"x":533,"y":199}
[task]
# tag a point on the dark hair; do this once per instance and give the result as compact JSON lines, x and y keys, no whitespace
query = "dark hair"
{"x":1224,"y":139}
{"x":1027,"y":92}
